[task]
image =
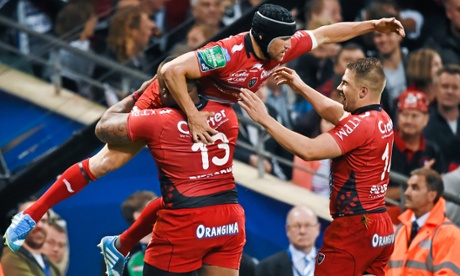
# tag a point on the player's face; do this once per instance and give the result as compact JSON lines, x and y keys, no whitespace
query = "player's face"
{"x":448,"y":94}
{"x":302,"y":230}
{"x":411,"y":122}
{"x":278,"y":48}
{"x":349,"y":91}
{"x":418,"y":197}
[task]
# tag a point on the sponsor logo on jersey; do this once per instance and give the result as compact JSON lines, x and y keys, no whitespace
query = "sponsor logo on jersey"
{"x":386,"y":128}
{"x":378,"y":241}
{"x":237,"y":48}
{"x":378,"y":191}
{"x":348,"y":128}
{"x":266,"y":74}
{"x":216,"y":231}
{"x":299,"y":34}
{"x":144,"y":112}
{"x":239,"y":76}
{"x":211,"y":58}
{"x":165,"y":111}
{"x":214,"y":121}
{"x":252,"y":82}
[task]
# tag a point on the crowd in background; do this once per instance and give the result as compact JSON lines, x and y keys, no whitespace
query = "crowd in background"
{"x":422,"y":94}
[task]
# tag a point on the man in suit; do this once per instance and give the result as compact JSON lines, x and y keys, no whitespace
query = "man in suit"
{"x":302,"y":229}
{"x":29,"y":260}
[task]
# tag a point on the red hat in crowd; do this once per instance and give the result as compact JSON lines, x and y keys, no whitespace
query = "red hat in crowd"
{"x":414,"y":100}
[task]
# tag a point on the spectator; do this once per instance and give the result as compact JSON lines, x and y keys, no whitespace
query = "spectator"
{"x":426,"y":241}
{"x":350,"y":52}
{"x":208,"y":13}
{"x":75,"y":23}
{"x":446,"y":41}
{"x":421,"y":69}
{"x":393,"y":57}
{"x":29,"y":260}
{"x":411,"y":150}
{"x":444,"y":125}
{"x":247,"y":266}
{"x":451,"y":185}
{"x":198,"y":35}
{"x":56,"y":246}
{"x":323,"y":10}
{"x":281,"y":97}
{"x":302,"y":229}
{"x":251,"y":135}
{"x":131,"y":209}
{"x":129,"y":33}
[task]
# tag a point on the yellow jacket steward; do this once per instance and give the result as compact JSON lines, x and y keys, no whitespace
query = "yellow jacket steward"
{"x":435,"y":249}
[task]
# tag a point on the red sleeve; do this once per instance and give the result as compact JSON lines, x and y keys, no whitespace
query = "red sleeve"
{"x":141,"y":124}
{"x":150,"y":98}
{"x":351,"y":132}
{"x":300,"y":44}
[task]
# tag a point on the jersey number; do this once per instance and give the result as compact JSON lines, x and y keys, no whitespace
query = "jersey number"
{"x":215,"y":160}
{"x":386,"y":158}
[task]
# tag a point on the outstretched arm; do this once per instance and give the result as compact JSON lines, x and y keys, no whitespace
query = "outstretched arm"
{"x":327,"y":108}
{"x":321,"y":147}
{"x":343,"y":31}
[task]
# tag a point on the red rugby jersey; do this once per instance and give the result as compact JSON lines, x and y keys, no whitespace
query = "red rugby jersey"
{"x":360,"y":176}
{"x":182,"y":163}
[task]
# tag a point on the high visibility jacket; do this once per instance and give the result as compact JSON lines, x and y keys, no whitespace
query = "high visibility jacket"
{"x":435,"y":249}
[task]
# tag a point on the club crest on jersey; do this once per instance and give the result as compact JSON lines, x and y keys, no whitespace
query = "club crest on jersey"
{"x":252,"y":82}
{"x":321,"y":258}
{"x":212,"y":58}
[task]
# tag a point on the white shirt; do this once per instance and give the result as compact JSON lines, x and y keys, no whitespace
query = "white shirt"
{"x":421,"y":220}
{"x":298,"y":261}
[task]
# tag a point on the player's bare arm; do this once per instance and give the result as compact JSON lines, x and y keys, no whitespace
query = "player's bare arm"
{"x":343,"y":31}
{"x":327,"y":108}
{"x":112,"y":127}
{"x":321,"y":147}
{"x":175,"y":73}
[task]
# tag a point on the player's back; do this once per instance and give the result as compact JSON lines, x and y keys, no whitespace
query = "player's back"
{"x":189,"y":171}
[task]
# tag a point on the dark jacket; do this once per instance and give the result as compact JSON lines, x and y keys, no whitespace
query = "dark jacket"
{"x":275,"y":265}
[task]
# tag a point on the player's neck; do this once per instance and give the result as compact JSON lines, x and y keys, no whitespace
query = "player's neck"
{"x":256,"y":48}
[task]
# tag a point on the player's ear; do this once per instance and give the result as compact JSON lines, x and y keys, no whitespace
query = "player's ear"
{"x":363,"y":92}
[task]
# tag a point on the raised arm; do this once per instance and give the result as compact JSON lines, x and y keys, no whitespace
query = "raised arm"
{"x":322,"y":147}
{"x":343,"y":31}
{"x":175,"y":73}
{"x":327,"y":108}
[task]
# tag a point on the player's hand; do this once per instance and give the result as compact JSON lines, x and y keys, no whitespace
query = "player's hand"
{"x":284,"y":75}
{"x":387,"y":25}
{"x":253,"y":105}
{"x":199,"y":128}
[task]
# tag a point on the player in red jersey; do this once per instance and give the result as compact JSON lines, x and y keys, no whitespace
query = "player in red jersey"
{"x":360,"y":238}
{"x":201,"y":222}
{"x":248,"y":59}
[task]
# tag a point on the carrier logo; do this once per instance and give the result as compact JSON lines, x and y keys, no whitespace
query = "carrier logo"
{"x":378,"y":241}
{"x":252,"y":82}
{"x":321,"y":258}
{"x":212,"y":232}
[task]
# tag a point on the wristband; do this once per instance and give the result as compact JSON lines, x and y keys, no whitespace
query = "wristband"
{"x":135,"y":96}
